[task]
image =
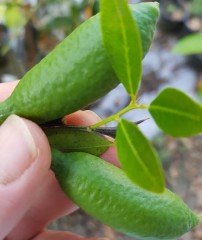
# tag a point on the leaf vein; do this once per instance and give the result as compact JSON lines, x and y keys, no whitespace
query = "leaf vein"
{"x":182,"y":114}
{"x":136,"y":154}
{"x":126,"y":55}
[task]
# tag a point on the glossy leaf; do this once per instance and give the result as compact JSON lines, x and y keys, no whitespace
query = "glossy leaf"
{"x":191,"y":44}
{"x":138,"y":158}
{"x":71,"y":139}
{"x":122,"y":42}
{"x":176,"y":113}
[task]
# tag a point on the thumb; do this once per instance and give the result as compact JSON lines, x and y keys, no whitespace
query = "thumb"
{"x":24,"y":164}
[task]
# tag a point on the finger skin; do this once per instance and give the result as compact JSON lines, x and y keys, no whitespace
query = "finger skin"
{"x":49,"y":202}
{"x":17,"y":196}
{"x":81,"y":118}
{"x":57,"y":235}
{"x":21,"y":198}
{"x":6,"y":89}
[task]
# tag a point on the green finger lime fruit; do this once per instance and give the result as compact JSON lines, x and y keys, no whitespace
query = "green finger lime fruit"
{"x":71,"y":139}
{"x":75,"y":73}
{"x":105,"y":192}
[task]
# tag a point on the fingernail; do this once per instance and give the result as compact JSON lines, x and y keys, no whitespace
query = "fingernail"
{"x":17,"y":149}
{"x":102,"y":238}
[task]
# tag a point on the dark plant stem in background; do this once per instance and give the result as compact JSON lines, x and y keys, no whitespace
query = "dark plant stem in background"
{"x":30,"y":43}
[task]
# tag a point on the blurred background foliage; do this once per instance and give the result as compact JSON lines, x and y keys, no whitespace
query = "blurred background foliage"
{"x":31,"y":29}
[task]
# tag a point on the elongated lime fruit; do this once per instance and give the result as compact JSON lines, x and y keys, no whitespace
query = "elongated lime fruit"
{"x":105,"y":192}
{"x":71,"y":139}
{"x":75,"y":73}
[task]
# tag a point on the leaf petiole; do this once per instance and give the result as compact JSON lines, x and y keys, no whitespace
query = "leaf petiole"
{"x":116,"y":116}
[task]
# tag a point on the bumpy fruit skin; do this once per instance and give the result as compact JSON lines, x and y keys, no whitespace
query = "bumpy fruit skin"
{"x":105,"y":192}
{"x":75,"y":73}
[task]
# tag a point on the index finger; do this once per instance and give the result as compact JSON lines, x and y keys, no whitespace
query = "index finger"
{"x":6,"y":89}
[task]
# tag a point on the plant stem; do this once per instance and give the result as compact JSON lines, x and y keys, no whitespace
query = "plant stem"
{"x":59,"y":127}
{"x":116,"y":116}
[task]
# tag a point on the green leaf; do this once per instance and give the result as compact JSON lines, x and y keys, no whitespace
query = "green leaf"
{"x":122,"y":42}
{"x":191,"y":44}
{"x":138,"y":158}
{"x":176,"y":113}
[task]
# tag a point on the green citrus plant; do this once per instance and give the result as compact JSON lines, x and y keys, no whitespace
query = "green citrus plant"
{"x":106,"y":50}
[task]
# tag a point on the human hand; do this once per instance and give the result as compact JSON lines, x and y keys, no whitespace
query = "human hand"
{"x":30,"y":196}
